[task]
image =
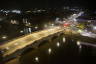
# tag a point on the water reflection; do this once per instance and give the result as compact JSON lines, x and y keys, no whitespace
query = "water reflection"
{"x":64,"y":39}
{"x":37,"y":59}
{"x":56,"y":52}
{"x":49,"y":50}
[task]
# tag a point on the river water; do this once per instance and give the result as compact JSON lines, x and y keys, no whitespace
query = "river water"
{"x":58,"y":51}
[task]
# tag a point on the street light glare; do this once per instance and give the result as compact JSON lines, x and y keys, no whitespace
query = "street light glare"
{"x":36,"y":27}
{"x":78,"y":43}
{"x":94,"y":27}
{"x":4,"y":37}
{"x":16,"y":44}
{"x":21,"y":31}
{"x":80,"y":31}
{"x":16,"y":11}
{"x":52,"y":24}
{"x":7,"y":48}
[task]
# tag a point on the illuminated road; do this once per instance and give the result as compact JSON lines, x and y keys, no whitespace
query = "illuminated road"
{"x":24,"y":41}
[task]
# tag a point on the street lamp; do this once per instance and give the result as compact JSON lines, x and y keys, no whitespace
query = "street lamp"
{"x":21,"y":31}
{"x":36,"y":27}
{"x":4,"y":37}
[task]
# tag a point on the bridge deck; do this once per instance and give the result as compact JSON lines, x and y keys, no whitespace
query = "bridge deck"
{"x":19,"y":43}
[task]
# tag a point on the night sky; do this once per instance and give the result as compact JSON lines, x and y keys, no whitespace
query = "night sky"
{"x":45,"y":3}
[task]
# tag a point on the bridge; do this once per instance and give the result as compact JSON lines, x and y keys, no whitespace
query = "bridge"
{"x":22,"y":42}
{"x":15,"y":47}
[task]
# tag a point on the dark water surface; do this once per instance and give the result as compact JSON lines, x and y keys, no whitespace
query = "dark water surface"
{"x":63,"y":53}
